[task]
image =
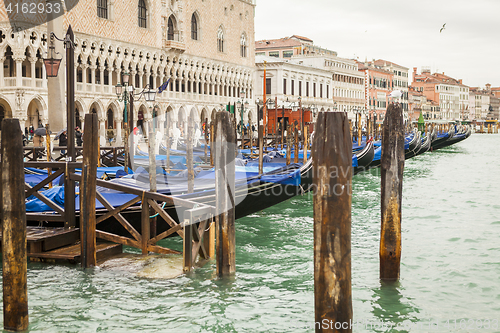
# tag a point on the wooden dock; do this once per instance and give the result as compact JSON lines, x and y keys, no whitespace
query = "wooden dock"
{"x":63,"y":244}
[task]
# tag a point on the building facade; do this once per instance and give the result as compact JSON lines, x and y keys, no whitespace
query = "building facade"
{"x":378,"y":86}
{"x":290,"y":80}
{"x":204,"y":48}
{"x":451,"y":94}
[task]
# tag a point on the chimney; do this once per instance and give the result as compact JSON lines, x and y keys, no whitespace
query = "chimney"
{"x":488,"y":87}
{"x":460,"y":81}
{"x":414,"y":73}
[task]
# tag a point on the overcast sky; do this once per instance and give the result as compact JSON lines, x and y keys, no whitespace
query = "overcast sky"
{"x":404,"y":32}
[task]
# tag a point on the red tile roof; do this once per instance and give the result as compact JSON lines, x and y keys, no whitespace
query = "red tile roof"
{"x":286,"y":42}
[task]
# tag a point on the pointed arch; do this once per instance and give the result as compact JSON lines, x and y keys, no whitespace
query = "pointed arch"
{"x":142,"y":14}
{"x":220,"y":39}
{"x":195,"y":26}
{"x":172,"y":28}
{"x":243,"y":44}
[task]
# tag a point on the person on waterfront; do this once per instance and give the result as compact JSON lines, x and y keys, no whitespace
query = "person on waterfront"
{"x":63,"y":141}
{"x":78,"y":136}
{"x":37,"y":140}
{"x":31,"y":130}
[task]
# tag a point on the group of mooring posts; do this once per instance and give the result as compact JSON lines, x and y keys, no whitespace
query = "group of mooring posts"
{"x":332,"y":153}
{"x":332,"y":158}
{"x":197,"y":239}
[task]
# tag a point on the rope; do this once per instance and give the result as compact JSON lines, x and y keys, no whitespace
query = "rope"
{"x":163,"y":206}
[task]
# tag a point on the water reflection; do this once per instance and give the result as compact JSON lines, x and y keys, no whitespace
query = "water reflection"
{"x":391,"y":307}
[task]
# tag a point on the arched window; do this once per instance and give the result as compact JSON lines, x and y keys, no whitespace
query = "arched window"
{"x":110,"y":119}
{"x":243,"y":45}
{"x":220,"y":40}
{"x":102,"y":9}
{"x":78,"y":122}
{"x":170,"y":29}
{"x":194,"y":27}
{"x":142,"y":14}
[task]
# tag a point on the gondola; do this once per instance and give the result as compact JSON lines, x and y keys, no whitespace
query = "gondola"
{"x":252,"y":194}
{"x":441,"y":139}
{"x":414,"y":145}
{"x":425,"y":146}
{"x":363,"y":157}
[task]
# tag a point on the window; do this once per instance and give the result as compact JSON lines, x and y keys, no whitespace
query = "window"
{"x":300,"y":88}
{"x":321,"y":90}
{"x":287,"y":54}
{"x":260,"y":53}
{"x":243,"y":45}
{"x":194,"y":27}
{"x":102,"y":9}
{"x":314,"y":89}
{"x":142,"y":14}
{"x":268,"y":86}
{"x":327,"y":91}
{"x":170,"y":29}
{"x":284,"y":86}
{"x":220,"y":40}
{"x":293,"y":87}
{"x":307,"y":89}
{"x":274,"y":54}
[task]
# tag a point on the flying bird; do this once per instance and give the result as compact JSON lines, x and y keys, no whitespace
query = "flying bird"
{"x":442,"y":28}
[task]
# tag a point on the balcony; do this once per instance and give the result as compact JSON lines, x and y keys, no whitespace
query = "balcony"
{"x":174,"y":45}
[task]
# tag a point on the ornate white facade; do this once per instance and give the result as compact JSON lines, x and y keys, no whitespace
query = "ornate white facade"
{"x":207,"y":70}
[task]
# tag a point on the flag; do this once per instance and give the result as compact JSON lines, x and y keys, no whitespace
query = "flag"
{"x":163,"y":86}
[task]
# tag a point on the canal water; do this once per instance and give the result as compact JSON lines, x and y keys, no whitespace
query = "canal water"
{"x":450,"y":271}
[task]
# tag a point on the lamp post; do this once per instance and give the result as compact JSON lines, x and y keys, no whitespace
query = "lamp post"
{"x":125,"y":93}
{"x":243,"y":104}
{"x":52,"y":66}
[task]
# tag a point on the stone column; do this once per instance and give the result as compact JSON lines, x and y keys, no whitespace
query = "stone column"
{"x":101,"y":70}
{"x":119,"y":140}
{"x":44,"y":77}
{"x":141,"y":75}
{"x":19,"y":71}
{"x":102,"y":131}
{"x":2,"y":59}
{"x":155,"y":76}
{"x":92,"y":78}
{"x":110,"y":79}
{"x":84,"y":76}
{"x":33,"y":72}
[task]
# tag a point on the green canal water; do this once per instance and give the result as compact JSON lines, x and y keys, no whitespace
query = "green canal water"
{"x":450,"y":271}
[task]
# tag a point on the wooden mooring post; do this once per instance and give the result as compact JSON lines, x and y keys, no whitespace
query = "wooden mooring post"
{"x":296,"y":145}
{"x":189,"y":154}
{"x":13,"y":219}
{"x":391,"y":169}
{"x":261,"y":149}
{"x":47,"y":144}
{"x":304,"y":157}
{"x":332,"y":174}
{"x":225,"y":142}
{"x":288,"y":145}
{"x":88,"y":192}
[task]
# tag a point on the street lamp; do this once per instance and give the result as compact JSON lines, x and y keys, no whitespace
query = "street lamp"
{"x":243,"y":104}
{"x":51,"y":63}
{"x":52,"y":67}
{"x":125,"y":93}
